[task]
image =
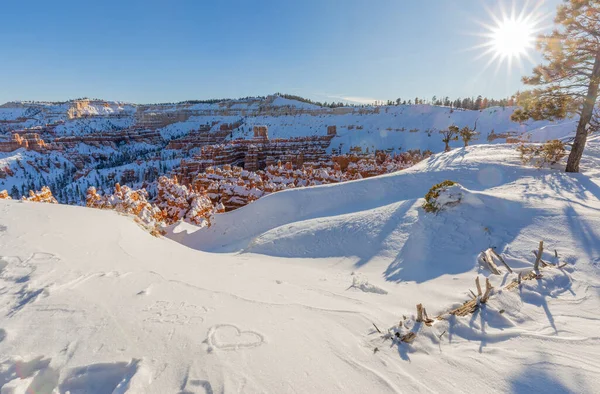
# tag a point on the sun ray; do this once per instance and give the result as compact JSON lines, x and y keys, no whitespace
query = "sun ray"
{"x":510,"y":35}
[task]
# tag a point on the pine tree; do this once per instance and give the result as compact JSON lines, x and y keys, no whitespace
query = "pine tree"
{"x":569,"y":81}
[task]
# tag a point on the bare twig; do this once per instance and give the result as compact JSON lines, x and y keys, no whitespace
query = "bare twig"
{"x":479,"y":293}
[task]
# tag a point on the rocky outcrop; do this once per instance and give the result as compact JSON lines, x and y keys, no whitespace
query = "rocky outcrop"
{"x":234,"y":187}
{"x":30,"y":141}
{"x":44,"y":195}
{"x":199,"y":138}
{"x":256,"y":154}
{"x":261,"y":132}
{"x":155,"y":120}
{"x":180,"y":203}
{"x":129,"y":201}
{"x":125,"y":136}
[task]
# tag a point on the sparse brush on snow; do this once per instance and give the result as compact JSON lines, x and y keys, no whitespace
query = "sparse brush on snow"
{"x":446,"y":193}
{"x":362,"y":283}
{"x":449,"y":134}
{"x":543,"y":155}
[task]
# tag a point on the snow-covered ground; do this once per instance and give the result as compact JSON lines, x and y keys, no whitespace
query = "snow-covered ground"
{"x":281,"y":295}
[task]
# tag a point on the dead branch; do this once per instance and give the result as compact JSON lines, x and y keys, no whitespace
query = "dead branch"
{"x":536,"y":265}
{"x":488,"y":291}
{"x":487,"y":258}
{"x":408,"y":338}
{"x":427,"y":321}
{"x":516,"y":282}
{"x":465,"y":309}
{"x":502,"y":261}
{"x":376,"y":328}
{"x":420,"y":313}
{"x":479,"y":293}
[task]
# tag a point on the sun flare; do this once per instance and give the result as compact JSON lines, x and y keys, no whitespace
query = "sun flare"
{"x":513,"y":38}
{"x":510,"y":37}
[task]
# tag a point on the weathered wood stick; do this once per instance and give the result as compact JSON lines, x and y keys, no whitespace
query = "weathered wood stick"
{"x":488,"y":291}
{"x":376,"y":328}
{"x":487,"y":258}
{"x":536,"y":265}
{"x":466,"y":308}
{"x":502,"y":261}
{"x":427,"y":320}
{"x":408,"y":338}
{"x":420,"y":313}
{"x":479,"y":293}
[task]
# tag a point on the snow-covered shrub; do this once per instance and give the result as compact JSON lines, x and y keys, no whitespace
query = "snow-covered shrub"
{"x":444,"y":194}
{"x":4,"y":195}
{"x":539,"y":156}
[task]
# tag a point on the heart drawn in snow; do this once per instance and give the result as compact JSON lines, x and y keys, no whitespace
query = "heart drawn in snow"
{"x":230,"y":337}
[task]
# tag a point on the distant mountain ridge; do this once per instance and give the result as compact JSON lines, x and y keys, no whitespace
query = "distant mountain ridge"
{"x":88,"y":142}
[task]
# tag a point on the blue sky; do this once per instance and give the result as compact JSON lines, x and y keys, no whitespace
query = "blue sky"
{"x":327,"y":50}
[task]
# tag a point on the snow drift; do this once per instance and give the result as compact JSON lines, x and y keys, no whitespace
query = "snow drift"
{"x":91,"y":303}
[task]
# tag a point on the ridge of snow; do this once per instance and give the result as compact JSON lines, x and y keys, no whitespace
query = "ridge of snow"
{"x":92,"y":303}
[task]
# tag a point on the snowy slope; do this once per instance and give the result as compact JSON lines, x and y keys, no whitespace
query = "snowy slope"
{"x":90,"y":303}
{"x":481,"y":169}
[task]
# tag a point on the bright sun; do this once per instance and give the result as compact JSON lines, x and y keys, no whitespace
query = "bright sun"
{"x":511,"y":36}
